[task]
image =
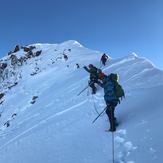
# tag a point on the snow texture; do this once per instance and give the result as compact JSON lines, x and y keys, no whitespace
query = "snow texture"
{"x":43,"y":120}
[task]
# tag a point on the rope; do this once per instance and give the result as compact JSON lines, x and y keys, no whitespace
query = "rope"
{"x":112,"y":119}
{"x":113,"y":146}
{"x":94,"y":105}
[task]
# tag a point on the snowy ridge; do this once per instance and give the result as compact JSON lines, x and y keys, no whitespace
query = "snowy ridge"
{"x":43,"y":120}
{"x":136,"y":72}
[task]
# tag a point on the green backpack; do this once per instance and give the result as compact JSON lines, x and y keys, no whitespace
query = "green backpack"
{"x":119,"y":92}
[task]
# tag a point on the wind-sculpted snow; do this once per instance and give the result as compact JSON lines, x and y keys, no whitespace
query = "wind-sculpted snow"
{"x":43,"y":119}
{"x":136,"y":72}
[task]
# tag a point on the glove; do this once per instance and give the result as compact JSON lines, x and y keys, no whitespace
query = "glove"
{"x":85,"y":67}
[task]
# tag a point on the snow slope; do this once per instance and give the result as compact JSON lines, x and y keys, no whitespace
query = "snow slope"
{"x":49,"y":123}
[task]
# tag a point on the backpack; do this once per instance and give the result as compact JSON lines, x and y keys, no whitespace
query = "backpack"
{"x":114,"y":77}
{"x":119,"y":92}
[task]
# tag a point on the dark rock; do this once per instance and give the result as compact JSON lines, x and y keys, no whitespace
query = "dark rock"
{"x":1,"y":95}
{"x":17,"y":48}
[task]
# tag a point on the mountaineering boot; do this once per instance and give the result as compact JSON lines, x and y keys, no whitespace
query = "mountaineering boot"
{"x":112,"y":129}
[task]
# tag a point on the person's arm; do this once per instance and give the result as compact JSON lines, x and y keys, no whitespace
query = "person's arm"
{"x":85,"y":67}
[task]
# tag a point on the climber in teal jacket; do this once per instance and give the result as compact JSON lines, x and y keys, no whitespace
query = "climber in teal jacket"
{"x":110,"y":98}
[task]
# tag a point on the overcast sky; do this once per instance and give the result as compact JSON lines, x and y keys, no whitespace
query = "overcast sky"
{"x":117,"y":27}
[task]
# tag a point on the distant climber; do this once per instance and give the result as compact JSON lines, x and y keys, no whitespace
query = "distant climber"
{"x":104,"y":58}
{"x":112,"y":94}
{"x":93,"y":76}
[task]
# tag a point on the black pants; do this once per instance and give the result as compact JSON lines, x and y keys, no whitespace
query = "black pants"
{"x":103,"y":61}
{"x":92,"y":85}
{"x":110,"y":113}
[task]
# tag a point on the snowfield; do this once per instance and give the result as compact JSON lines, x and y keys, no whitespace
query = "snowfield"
{"x":44,"y":120}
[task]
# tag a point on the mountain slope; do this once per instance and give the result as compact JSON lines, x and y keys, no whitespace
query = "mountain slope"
{"x":48,"y":122}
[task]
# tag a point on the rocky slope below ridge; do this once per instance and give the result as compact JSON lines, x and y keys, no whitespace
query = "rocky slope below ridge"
{"x":26,"y":61}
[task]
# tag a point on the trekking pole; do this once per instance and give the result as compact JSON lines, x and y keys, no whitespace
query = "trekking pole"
{"x":82,"y":90}
{"x":99,"y":115}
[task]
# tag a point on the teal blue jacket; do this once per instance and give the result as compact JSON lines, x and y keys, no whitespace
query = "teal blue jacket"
{"x":109,"y":87}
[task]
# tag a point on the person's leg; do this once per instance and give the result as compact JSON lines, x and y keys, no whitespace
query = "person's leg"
{"x":93,"y":89}
{"x":112,"y":119}
{"x":103,"y":62}
{"x":92,"y":85}
{"x":110,"y":112}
